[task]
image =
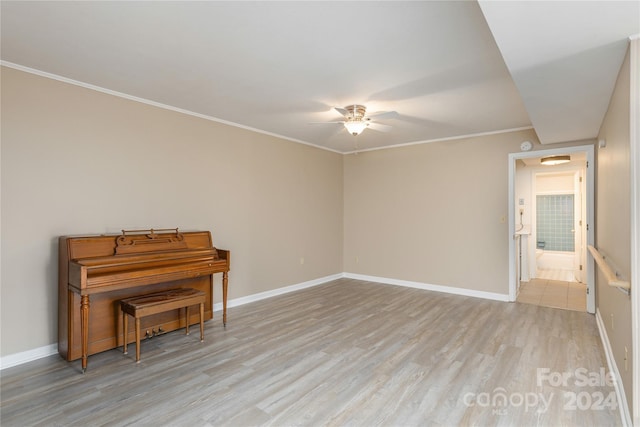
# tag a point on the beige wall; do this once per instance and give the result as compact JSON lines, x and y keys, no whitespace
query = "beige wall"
{"x":432,"y":213}
{"x":613,"y":222}
{"x":76,"y":161}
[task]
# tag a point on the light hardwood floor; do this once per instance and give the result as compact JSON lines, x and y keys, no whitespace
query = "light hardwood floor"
{"x":342,"y":353}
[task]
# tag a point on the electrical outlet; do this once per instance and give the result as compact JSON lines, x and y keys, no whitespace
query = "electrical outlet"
{"x":612,"y":324}
{"x":626,"y":358}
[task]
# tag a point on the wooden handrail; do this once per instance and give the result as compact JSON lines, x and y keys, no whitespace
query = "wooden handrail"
{"x":612,"y":278}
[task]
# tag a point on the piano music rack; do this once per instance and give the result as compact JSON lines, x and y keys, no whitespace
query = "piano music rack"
{"x":134,"y":241}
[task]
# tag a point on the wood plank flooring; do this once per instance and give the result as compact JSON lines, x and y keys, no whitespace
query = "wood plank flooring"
{"x":343,"y":353}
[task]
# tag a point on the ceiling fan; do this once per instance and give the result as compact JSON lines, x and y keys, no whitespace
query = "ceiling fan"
{"x":356,"y":119}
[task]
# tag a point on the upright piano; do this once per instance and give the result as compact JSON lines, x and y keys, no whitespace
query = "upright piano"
{"x":95,"y":272}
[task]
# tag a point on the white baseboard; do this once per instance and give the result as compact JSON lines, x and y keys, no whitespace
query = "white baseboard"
{"x":272,"y":293}
{"x":27,"y":356}
{"x":429,"y":287}
{"x":613,"y":368}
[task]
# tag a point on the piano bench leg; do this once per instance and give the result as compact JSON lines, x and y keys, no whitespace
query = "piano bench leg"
{"x":137,"y":340}
{"x":125,"y":331}
{"x":147,"y":305}
{"x":201,"y":322}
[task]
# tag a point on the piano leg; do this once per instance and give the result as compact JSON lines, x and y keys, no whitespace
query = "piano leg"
{"x":225,"y":283}
{"x":84,"y":326}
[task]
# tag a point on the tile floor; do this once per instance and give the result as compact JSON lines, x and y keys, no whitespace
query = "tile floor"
{"x":554,"y":293}
{"x":556,"y":274}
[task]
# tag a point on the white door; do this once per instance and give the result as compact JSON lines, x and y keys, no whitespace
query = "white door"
{"x":578,"y":222}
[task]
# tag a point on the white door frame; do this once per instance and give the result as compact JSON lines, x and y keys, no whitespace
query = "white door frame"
{"x":589,"y":214}
{"x":634,"y":132}
{"x":580,"y":238}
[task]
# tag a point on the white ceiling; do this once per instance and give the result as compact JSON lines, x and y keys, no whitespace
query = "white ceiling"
{"x":564,"y":57}
{"x":276,"y":67}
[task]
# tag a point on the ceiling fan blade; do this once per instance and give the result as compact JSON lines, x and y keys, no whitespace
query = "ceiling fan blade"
{"x":383,"y":114}
{"x":379,"y":127}
{"x":341,"y":111}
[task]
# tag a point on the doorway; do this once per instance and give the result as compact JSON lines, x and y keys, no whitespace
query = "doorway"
{"x":550,"y":210}
{"x":557,"y":220}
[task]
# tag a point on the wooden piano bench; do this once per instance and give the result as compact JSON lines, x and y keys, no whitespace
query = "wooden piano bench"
{"x":146,"y":305}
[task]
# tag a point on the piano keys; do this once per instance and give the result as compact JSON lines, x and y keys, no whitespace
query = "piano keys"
{"x":95,"y":272}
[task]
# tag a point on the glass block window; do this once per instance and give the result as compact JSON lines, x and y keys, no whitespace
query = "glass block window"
{"x":555,"y":222}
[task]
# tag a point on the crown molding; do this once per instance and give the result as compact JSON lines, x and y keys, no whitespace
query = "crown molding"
{"x":449,"y":138}
{"x":155,"y":104}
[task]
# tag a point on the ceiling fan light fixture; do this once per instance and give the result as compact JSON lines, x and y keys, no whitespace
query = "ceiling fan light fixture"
{"x":555,"y":160}
{"x":355,"y":127}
